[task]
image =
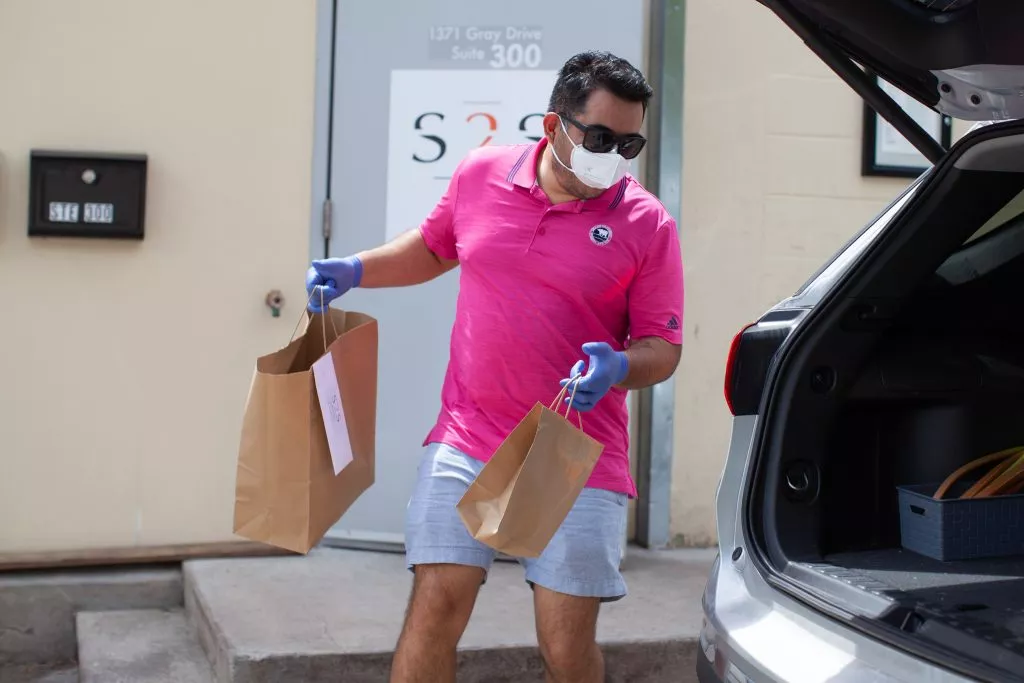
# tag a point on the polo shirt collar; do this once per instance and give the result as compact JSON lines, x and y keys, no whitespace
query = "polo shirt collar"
{"x":523,"y":174}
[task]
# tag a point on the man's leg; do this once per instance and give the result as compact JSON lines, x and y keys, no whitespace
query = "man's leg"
{"x":576,"y":573}
{"x":567,"y":634}
{"x":449,"y":566}
{"x":442,"y":600}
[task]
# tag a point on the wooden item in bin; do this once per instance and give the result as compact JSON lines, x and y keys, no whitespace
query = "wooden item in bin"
{"x":1006,"y":474}
{"x":1009,"y":478}
{"x":1016,"y":488}
{"x":992,"y":475}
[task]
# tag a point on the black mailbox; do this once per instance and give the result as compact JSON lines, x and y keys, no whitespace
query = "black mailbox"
{"x":75,"y":194}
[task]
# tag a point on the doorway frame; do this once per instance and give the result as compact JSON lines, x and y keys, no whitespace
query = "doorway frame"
{"x":663,"y":175}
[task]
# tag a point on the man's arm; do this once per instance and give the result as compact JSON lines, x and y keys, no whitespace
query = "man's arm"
{"x":412,"y":258}
{"x":404,"y":261}
{"x":656,"y":312}
{"x":421,"y":254}
{"x":651,"y":360}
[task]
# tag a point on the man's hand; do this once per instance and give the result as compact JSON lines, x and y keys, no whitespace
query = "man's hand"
{"x":327,"y":279}
{"x":646,"y":362}
{"x":607,"y":368}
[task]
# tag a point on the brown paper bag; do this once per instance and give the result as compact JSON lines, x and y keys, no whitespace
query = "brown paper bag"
{"x":527,"y":488}
{"x":286,"y":492}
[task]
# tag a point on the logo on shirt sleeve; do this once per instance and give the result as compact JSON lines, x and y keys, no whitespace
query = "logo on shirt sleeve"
{"x":673,"y":323}
{"x":601,"y":235}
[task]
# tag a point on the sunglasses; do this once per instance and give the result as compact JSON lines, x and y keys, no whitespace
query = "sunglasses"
{"x":600,"y":140}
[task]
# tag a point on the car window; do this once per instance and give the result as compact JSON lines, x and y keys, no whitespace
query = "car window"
{"x":812,"y":289}
{"x":1002,"y":218}
{"x":997,"y":242}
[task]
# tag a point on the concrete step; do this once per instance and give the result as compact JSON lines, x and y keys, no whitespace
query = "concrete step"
{"x":139,"y":646}
{"x":37,"y":609}
{"x":336,"y":615}
{"x":39,"y":673}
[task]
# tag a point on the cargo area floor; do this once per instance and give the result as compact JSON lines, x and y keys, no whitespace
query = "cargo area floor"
{"x":985,"y":596}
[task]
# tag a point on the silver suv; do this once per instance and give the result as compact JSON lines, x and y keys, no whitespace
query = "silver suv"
{"x":899,"y":362}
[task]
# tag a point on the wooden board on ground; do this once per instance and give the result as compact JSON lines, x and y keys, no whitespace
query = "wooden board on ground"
{"x":99,"y":557}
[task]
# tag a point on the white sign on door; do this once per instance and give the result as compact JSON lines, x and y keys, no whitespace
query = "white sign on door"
{"x":438,"y":116}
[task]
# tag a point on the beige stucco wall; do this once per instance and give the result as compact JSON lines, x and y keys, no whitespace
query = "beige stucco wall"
{"x":124,"y":366}
{"x":771,"y":188}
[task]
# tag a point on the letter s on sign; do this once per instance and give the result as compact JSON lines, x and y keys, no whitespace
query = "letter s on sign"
{"x":522,"y":126}
{"x":441,"y":144}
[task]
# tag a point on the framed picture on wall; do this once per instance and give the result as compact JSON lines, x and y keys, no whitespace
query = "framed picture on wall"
{"x":885,"y":151}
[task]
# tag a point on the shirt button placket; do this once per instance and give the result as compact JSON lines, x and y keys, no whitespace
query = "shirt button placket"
{"x":540,"y":230}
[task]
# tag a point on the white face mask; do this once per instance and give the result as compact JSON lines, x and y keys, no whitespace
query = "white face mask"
{"x":599,"y":171}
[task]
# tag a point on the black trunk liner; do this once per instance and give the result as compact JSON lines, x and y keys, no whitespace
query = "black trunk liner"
{"x":984,"y":597}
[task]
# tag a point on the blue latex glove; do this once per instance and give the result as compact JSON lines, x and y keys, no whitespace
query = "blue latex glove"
{"x":333,"y":277}
{"x":607,"y":368}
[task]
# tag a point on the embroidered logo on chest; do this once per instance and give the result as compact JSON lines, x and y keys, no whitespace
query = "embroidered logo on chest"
{"x":601,"y":235}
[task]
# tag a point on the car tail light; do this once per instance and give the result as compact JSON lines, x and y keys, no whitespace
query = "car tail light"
{"x":730,"y":367}
{"x":750,"y":356}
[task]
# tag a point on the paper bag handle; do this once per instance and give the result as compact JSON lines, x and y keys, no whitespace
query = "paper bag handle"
{"x":561,"y":395}
{"x":323,"y":328}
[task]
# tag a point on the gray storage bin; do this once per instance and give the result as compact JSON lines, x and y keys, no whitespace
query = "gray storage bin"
{"x":952,"y":529}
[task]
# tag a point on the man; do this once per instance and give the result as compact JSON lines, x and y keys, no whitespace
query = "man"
{"x":562,"y":254}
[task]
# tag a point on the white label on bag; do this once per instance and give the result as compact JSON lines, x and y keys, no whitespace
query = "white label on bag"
{"x":327,"y":391}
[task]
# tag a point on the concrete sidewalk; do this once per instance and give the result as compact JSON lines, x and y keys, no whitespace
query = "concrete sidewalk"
{"x":331,"y":616}
{"x":336,"y":615}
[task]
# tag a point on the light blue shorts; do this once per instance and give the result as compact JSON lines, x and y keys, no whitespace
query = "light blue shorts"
{"x":582,"y":558}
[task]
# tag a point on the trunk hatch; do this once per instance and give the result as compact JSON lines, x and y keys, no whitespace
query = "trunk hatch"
{"x":962,"y":58}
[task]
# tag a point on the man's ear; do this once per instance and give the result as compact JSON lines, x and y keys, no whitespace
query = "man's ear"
{"x":551,"y":126}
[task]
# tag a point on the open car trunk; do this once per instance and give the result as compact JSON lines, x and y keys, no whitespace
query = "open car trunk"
{"x":914,"y":365}
{"x":943,"y":385}
{"x":922,"y":353}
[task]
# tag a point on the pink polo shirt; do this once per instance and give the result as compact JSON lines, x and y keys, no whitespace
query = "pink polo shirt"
{"x":537,"y":281}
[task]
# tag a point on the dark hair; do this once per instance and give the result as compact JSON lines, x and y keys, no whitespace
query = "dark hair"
{"x":589,"y":71}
